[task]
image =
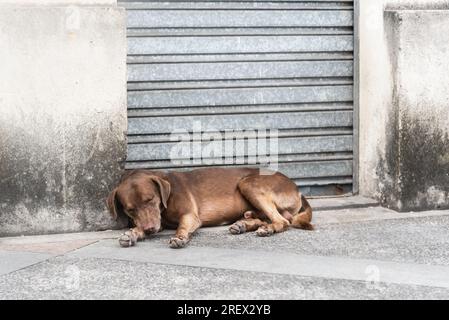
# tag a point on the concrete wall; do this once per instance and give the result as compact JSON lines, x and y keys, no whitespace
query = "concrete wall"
{"x":62,"y":116}
{"x":404,"y":103}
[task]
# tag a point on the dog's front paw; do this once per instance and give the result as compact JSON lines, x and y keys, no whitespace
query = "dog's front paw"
{"x":237,"y":228}
{"x":264,"y":231}
{"x":128,"y":239}
{"x":176,"y":243}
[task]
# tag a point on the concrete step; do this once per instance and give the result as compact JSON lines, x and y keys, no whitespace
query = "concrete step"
{"x":339,"y":203}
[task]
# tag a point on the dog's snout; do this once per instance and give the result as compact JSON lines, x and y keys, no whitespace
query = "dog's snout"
{"x":150,"y":230}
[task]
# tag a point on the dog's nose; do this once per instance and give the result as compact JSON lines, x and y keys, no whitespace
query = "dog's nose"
{"x":150,"y":230}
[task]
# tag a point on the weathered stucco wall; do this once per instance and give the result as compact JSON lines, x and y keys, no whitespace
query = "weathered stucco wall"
{"x":404,"y":103}
{"x":62,"y":116}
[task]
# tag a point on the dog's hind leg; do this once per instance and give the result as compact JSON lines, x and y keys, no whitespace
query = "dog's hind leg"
{"x":275,"y":196}
{"x":246,"y":225}
{"x":257,"y":190}
{"x":304,"y":217}
{"x":278,"y":222}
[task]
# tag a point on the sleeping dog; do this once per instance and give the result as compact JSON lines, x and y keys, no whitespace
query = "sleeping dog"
{"x":250,"y":201}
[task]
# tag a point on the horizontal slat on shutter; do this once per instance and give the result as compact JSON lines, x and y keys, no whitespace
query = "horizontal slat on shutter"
{"x":299,"y":145}
{"x":218,"y":110}
{"x":237,"y":18}
{"x":241,"y":96}
{"x":239,"y":70}
{"x":282,"y":158}
{"x":295,"y":56}
{"x":292,"y":120}
{"x":233,"y":5}
{"x":238,"y":44}
{"x":201,"y":32}
{"x":244,"y":134}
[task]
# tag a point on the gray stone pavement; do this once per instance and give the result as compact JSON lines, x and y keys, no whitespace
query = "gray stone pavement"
{"x":354,"y":253}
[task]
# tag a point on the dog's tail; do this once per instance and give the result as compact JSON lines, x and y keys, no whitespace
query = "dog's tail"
{"x":304,"y":217}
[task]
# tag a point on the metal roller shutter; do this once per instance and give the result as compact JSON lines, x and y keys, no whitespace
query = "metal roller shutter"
{"x":285,"y":65}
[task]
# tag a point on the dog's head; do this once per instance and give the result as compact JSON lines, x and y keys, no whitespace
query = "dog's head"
{"x":141,"y":195}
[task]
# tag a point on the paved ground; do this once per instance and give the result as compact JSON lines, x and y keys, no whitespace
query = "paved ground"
{"x":357,"y":253}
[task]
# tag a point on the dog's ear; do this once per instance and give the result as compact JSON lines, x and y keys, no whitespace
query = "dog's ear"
{"x":164,"y":189}
{"x":114,"y":205}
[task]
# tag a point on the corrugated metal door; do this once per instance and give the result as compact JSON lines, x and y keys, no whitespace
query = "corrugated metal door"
{"x":243,"y":65}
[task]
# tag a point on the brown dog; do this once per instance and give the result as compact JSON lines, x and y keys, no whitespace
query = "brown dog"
{"x":265,"y":203}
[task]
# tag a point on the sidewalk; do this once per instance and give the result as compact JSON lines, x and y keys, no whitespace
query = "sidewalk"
{"x":355,"y":253}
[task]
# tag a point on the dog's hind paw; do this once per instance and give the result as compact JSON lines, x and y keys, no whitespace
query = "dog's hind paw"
{"x":237,"y":228}
{"x":264,"y":231}
{"x":177,"y":243}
